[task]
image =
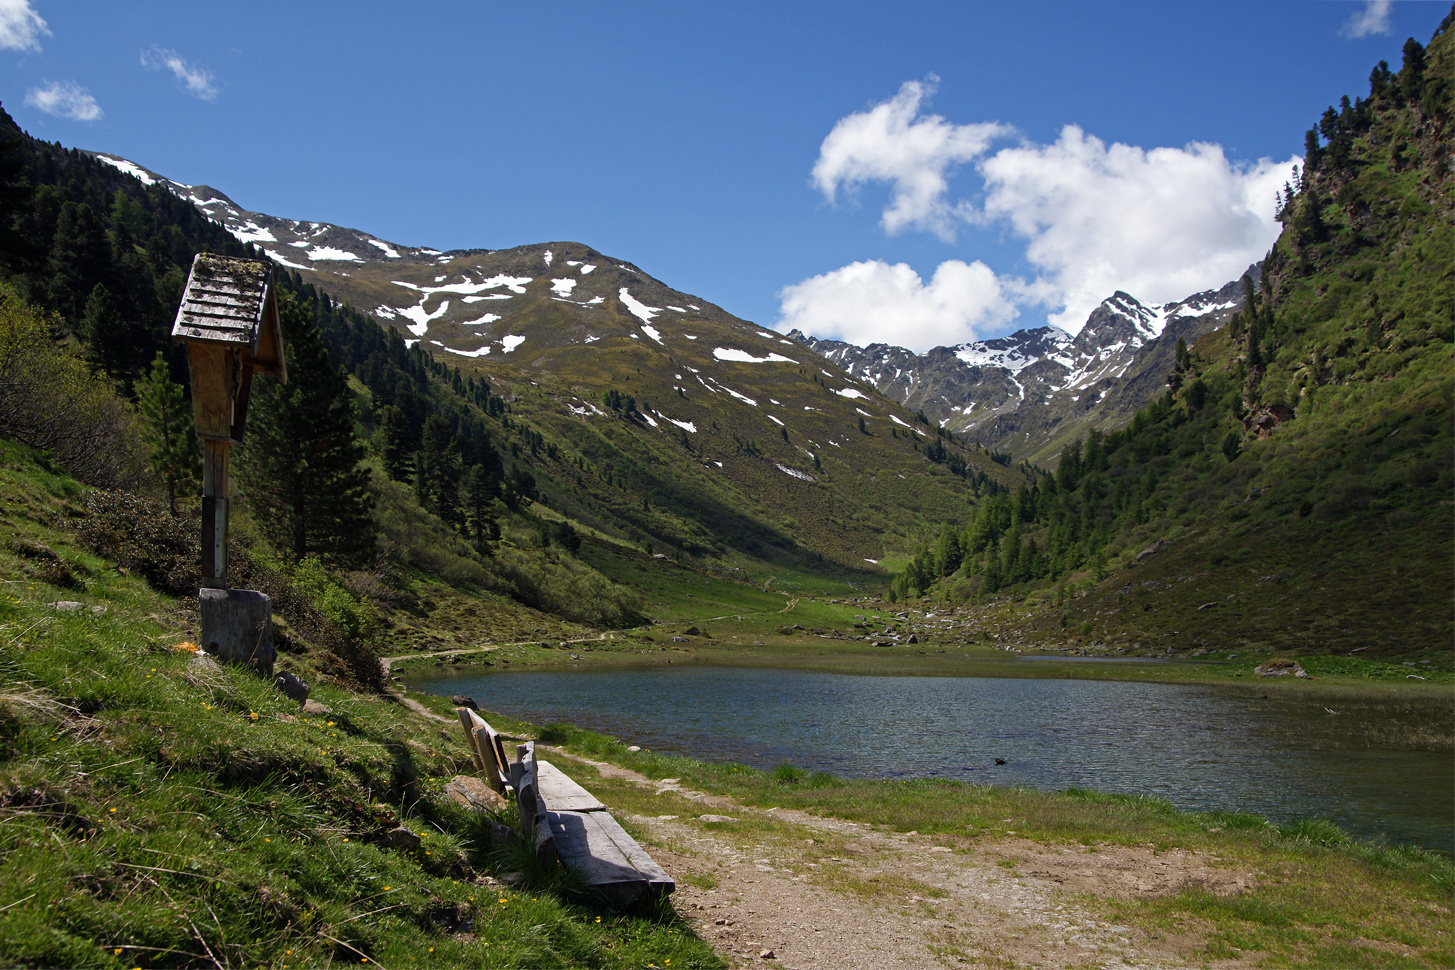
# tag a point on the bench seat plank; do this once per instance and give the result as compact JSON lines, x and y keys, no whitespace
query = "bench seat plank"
{"x":560,"y":793}
{"x":610,"y":861}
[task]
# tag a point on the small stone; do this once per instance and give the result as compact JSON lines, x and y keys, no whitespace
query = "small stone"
{"x":767,"y":955}
{"x":66,"y":606}
{"x":292,"y":686}
{"x":716,"y":818}
{"x":634,"y":748}
{"x":464,"y":700}
{"x":400,"y":837}
{"x":311,"y":706}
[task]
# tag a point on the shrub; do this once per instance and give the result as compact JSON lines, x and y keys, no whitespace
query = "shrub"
{"x":49,"y":399}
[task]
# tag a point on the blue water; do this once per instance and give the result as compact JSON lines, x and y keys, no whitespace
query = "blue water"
{"x":1200,"y":747}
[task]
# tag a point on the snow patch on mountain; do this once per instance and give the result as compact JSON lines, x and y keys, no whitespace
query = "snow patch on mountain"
{"x":743,"y":357}
{"x":638,"y":308}
{"x":330,"y":252}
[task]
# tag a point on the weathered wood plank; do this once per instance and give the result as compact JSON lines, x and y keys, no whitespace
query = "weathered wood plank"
{"x":561,"y":793}
{"x":526,"y":786}
{"x":609,"y":860}
{"x":465,"y":722}
{"x":490,"y":767}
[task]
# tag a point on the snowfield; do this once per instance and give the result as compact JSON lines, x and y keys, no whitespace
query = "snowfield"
{"x":743,"y":357}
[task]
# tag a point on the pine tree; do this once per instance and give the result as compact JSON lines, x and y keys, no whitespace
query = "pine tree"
{"x":397,"y":456}
{"x":480,"y":490}
{"x":168,"y":431}
{"x":300,"y":464}
{"x":437,"y":470}
{"x":108,"y":345}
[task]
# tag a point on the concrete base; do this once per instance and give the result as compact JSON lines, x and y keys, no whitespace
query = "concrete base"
{"x":237,"y":627}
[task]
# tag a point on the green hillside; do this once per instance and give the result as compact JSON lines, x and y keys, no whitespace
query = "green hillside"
{"x":706,"y":440}
{"x":1292,"y":489}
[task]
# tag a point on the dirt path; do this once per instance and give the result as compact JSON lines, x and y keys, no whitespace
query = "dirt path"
{"x":810,"y":892}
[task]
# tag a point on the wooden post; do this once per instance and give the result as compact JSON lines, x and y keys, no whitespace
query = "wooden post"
{"x":215,"y":454}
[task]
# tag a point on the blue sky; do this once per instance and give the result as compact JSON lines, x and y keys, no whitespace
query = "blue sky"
{"x":916,"y":173}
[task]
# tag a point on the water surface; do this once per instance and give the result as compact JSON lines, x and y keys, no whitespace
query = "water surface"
{"x":1201,"y":747}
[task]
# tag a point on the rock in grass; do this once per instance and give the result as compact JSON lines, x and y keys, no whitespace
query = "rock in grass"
{"x":400,"y":837}
{"x":471,"y":792}
{"x":464,"y":700}
{"x":293,"y":687}
{"x":1280,"y":667}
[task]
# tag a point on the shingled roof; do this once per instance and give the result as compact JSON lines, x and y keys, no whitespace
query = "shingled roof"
{"x":230,"y":302}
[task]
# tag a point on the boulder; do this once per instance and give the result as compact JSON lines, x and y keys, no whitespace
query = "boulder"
{"x":1280,"y":667}
{"x":1152,"y":550}
{"x":291,"y":686}
{"x":473,"y":793}
{"x":464,"y":700}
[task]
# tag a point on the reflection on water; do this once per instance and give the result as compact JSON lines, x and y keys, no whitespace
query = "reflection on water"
{"x":1200,"y":747}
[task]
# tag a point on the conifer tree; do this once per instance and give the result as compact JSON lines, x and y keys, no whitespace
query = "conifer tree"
{"x":437,"y":470}
{"x":168,"y":431}
{"x":300,"y":464}
{"x":397,"y":456}
{"x":108,"y":346}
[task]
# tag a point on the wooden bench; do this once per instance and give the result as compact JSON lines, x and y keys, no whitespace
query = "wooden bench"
{"x":564,"y":822}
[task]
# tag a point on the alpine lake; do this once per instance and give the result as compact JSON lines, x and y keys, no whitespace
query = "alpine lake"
{"x":1282,"y":754}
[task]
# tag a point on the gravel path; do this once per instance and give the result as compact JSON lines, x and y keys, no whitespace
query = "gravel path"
{"x":826,"y":893}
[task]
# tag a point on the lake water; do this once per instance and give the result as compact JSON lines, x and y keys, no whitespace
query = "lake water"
{"x":1200,"y":747}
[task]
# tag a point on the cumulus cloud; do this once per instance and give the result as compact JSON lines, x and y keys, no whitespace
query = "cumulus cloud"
{"x":892,"y":142}
{"x":1159,"y":223}
{"x":874,"y":301}
{"x":64,"y":99}
{"x":197,"y":80}
{"x":1373,"y":19}
{"x":20,"y":26}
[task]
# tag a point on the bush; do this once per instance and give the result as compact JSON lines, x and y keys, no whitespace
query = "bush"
{"x":49,"y":399}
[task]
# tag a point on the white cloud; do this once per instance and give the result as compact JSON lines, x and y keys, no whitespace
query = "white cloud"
{"x":197,"y":80}
{"x":64,"y":99}
{"x":1373,"y":19}
{"x":1160,"y":224}
{"x":20,"y":26}
{"x":1094,"y":218}
{"x":892,"y":142}
{"x":875,"y":301}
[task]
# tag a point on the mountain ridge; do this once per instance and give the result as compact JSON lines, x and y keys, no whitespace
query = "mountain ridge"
{"x":1029,"y":393}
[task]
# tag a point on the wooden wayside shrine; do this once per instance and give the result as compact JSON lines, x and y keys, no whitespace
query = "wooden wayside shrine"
{"x":228,"y":319}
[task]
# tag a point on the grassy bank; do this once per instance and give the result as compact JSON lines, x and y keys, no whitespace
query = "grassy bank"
{"x":159,"y":811}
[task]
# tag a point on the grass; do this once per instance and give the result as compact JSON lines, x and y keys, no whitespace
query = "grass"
{"x":156,"y":810}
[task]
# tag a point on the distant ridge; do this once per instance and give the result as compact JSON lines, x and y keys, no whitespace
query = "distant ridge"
{"x":1032,"y":392}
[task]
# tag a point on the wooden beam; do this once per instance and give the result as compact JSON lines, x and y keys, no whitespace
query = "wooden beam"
{"x":215,"y":453}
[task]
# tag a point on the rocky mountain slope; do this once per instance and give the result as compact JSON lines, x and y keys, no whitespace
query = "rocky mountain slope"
{"x":1031,"y":393}
{"x":750,"y":442}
